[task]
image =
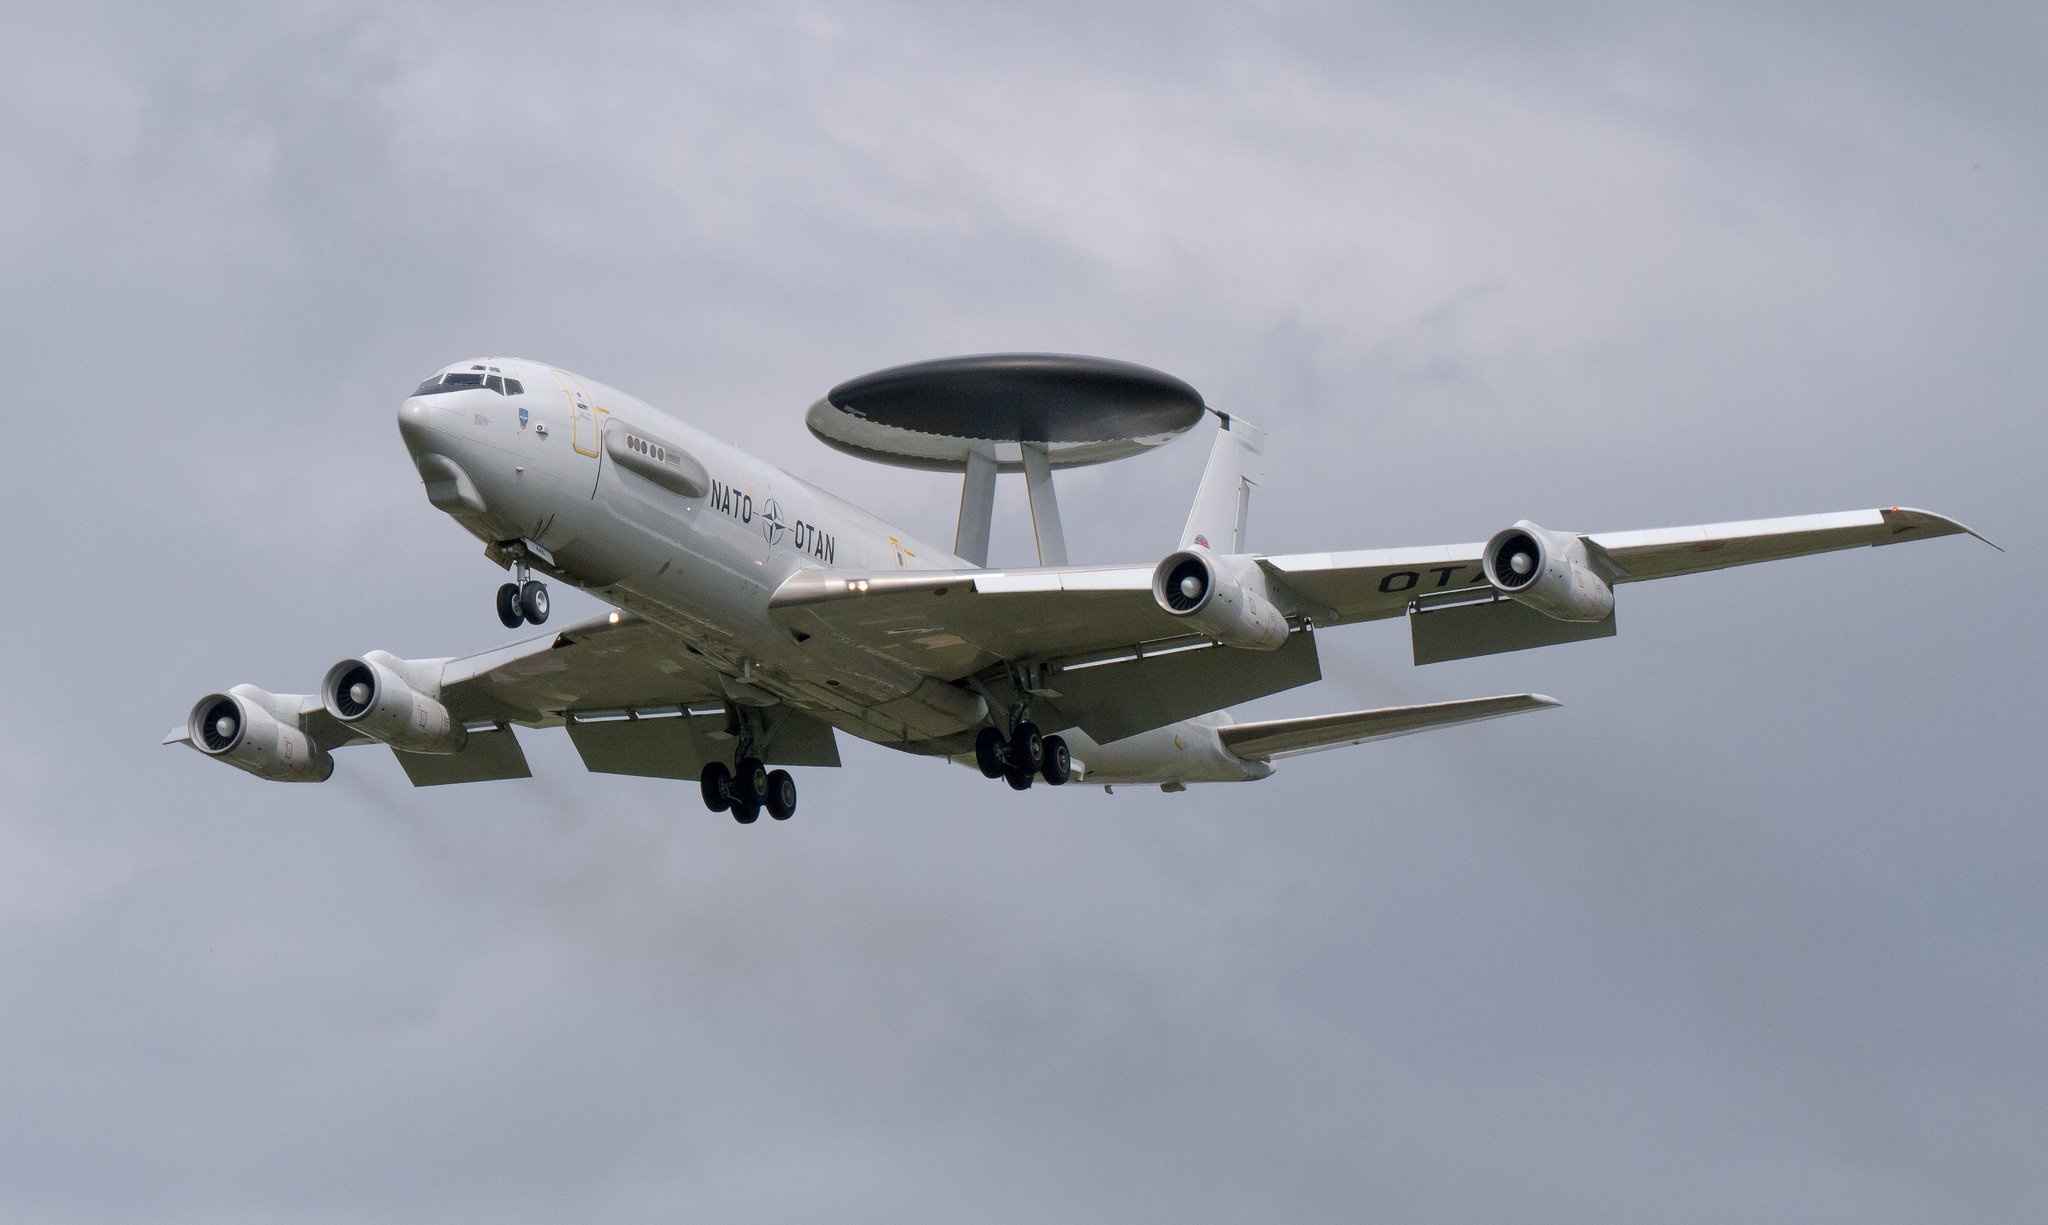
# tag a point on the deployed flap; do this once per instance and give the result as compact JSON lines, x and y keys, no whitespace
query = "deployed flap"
{"x":1291,"y":737}
{"x":1113,"y":700}
{"x":1490,"y":627}
{"x":674,"y":746}
{"x":793,"y":738}
{"x":681,"y":745}
{"x":486,"y":756}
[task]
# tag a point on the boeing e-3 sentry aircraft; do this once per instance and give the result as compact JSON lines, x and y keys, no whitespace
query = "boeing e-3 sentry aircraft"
{"x":755,"y":615}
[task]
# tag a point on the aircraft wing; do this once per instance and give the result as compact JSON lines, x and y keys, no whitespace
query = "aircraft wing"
{"x":1278,"y":738}
{"x":954,"y":625}
{"x":634,"y":700}
{"x":1360,"y":586}
{"x":592,"y":666}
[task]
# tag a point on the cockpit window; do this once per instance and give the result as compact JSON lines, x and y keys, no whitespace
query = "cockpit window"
{"x":457,"y":380}
{"x":513,"y":387}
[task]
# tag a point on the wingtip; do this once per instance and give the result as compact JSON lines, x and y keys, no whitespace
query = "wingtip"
{"x":1543,"y":699}
{"x":1955,"y":527}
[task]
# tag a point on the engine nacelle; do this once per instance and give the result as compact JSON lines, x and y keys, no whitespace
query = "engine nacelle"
{"x":1549,"y":571}
{"x":374,"y":696}
{"x":242,"y":727}
{"x":1223,"y":597}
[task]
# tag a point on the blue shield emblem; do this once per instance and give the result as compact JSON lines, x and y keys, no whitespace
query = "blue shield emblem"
{"x":522,"y":418}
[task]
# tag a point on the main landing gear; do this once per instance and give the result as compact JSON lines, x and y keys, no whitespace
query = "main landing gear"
{"x":523,"y":600}
{"x":1022,"y":756}
{"x":747,"y":790}
{"x":748,"y":786}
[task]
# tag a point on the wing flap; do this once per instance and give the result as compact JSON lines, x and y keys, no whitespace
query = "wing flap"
{"x":1121,"y":698}
{"x":677,"y":746}
{"x":1279,"y":738}
{"x":1490,"y":627}
{"x":487,"y":756}
{"x":680,"y":744}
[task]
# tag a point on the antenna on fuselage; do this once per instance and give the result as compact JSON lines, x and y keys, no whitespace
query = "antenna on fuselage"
{"x":1028,"y":413}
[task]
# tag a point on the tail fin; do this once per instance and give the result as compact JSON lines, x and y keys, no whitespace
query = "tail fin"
{"x":1237,"y":462}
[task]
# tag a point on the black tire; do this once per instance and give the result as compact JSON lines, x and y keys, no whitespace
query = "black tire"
{"x":533,"y":601}
{"x":717,"y":786}
{"x":508,"y":606}
{"x":1018,"y":780}
{"x":750,"y":782}
{"x":988,"y":753}
{"x":746,"y":814}
{"x":1059,"y":762}
{"x":781,"y":798}
{"x":1027,"y":748}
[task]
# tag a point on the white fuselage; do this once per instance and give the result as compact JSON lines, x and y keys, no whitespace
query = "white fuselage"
{"x":533,"y":467}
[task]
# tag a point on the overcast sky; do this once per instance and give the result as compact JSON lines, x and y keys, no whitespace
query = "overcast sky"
{"x":1751,"y":929}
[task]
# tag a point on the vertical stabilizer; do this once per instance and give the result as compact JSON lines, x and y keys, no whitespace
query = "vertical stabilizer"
{"x":1237,"y":462}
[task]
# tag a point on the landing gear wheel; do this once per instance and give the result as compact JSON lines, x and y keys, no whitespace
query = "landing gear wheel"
{"x":749,"y":784}
{"x":988,"y":753}
{"x":781,"y":798}
{"x":1019,"y":780}
{"x":1027,"y":748}
{"x":508,"y":606}
{"x":533,"y":600}
{"x":1059,"y":763}
{"x":745,"y":814}
{"x":717,"y":785}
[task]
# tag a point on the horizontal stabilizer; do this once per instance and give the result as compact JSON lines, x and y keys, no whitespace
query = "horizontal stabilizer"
{"x":1277,"y":738}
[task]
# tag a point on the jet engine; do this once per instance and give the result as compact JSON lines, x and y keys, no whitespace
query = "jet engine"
{"x":375,"y":697}
{"x":240,"y":728}
{"x":1549,"y":571}
{"x":1223,"y":597}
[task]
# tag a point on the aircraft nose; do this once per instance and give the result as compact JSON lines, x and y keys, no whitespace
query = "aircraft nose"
{"x":416,"y":425}
{"x":443,"y":454}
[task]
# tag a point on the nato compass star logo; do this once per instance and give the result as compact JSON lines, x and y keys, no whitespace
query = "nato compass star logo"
{"x":771,"y":521}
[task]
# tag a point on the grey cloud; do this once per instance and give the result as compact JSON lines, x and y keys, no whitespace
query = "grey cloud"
{"x":1750,"y":928}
